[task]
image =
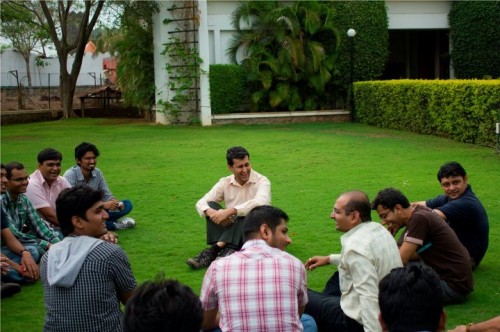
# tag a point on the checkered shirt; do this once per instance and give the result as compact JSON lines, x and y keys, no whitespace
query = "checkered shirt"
{"x":259,"y":288}
{"x":92,"y":303}
{"x":22,"y":212}
{"x":74,"y":176}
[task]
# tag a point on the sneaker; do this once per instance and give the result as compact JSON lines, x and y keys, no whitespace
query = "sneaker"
{"x":125,"y":222}
{"x":9,"y":289}
{"x":204,"y":259}
{"x":226,"y":251}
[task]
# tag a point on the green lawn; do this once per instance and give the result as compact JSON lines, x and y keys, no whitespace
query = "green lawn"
{"x":165,"y":170}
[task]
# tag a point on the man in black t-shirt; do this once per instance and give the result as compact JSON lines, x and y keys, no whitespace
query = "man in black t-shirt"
{"x":462,"y":210}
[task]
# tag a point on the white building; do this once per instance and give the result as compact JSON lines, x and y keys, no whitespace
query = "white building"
{"x":418,"y":43}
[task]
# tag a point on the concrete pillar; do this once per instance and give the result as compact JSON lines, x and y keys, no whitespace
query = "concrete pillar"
{"x":204,"y":53}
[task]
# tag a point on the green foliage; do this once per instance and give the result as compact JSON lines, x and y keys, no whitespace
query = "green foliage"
{"x":464,"y":110}
{"x":133,"y":44}
{"x":475,"y":38}
{"x":369,"y":19}
{"x":183,"y":65}
{"x":227,"y":88}
{"x":175,"y":166}
{"x":290,"y":52}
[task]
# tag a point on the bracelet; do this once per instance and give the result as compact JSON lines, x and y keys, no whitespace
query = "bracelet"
{"x":468,"y":326}
{"x":21,"y":252}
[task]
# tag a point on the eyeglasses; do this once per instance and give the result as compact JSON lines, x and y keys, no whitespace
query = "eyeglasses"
{"x":384,"y":215}
{"x":20,"y":179}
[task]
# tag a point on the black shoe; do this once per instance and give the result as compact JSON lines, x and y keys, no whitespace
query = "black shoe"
{"x":9,"y":289}
{"x":204,"y":259}
{"x":226,"y":251}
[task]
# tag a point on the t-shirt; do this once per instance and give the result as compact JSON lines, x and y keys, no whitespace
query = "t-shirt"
{"x":446,"y":255}
{"x":467,"y":217}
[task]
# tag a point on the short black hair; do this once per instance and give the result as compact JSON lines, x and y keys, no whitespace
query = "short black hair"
{"x":163,"y":305}
{"x":389,"y":198}
{"x":451,"y":168}
{"x":236,"y":152}
{"x":75,"y":201}
{"x":84,"y":147}
{"x":9,"y":167}
{"x":264,"y":214}
{"x":49,"y":154}
{"x":411,"y":298}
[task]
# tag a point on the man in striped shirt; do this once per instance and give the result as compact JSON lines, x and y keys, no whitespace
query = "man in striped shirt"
{"x":261,"y":287}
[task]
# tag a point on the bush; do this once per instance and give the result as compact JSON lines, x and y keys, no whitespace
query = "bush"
{"x":475,"y":36}
{"x":227,"y":89}
{"x":463,"y":110}
{"x":371,"y":43}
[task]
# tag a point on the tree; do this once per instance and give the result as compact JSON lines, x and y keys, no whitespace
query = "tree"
{"x":18,"y":26}
{"x":290,"y":52}
{"x":56,"y":18}
{"x":132,"y":44}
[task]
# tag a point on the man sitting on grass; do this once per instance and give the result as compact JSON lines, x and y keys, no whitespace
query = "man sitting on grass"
{"x":86,"y":172}
{"x":84,"y":278}
{"x":429,"y":239}
{"x":240,"y":192}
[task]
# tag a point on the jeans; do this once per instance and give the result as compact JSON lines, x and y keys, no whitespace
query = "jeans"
{"x":114,"y":215}
{"x":307,"y":322}
{"x":12,"y":275}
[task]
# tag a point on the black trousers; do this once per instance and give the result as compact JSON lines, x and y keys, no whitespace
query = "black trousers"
{"x":325,"y":308}
{"x":232,"y":234}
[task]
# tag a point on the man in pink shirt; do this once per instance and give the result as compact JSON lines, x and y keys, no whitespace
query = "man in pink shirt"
{"x":46,"y":184}
{"x":240,"y":192}
{"x":261,"y":287}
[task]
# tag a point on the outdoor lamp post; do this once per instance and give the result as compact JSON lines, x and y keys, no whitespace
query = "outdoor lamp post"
{"x":351,"y":33}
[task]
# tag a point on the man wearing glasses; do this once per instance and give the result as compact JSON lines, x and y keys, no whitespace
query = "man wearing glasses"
{"x":25,"y":223}
{"x":428,"y":239}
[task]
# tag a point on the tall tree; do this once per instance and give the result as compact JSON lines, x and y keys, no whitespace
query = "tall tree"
{"x":18,"y":26}
{"x":56,"y":17}
{"x":132,"y":44}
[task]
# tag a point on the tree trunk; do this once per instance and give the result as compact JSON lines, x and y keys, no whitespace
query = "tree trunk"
{"x":26,"y":58}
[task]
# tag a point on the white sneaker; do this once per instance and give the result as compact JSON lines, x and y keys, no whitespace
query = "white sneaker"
{"x":125,"y":222}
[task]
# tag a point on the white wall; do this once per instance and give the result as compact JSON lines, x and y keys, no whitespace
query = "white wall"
{"x":11,"y":60}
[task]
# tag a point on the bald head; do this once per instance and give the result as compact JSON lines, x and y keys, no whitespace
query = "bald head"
{"x":358,"y":201}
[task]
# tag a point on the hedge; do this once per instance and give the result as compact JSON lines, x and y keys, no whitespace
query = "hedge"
{"x":227,"y":89}
{"x":463,"y":110}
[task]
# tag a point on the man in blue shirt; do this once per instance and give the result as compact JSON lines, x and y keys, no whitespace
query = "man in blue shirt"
{"x":463,"y":211}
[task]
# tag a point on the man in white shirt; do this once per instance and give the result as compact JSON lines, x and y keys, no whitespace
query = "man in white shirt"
{"x":240,"y":192}
{"x":369,"y":253}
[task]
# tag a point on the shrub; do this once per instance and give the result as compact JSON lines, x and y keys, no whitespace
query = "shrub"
{"x":227,"y":89}
{"x":463,"y":110}
{"x":475,"y":36}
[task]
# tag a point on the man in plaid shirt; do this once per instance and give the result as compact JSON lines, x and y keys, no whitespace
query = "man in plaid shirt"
{"x":21,"y":212}
{"x":261,"y":287}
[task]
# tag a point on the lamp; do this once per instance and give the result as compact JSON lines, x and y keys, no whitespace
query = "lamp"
{"x":351,"y":33}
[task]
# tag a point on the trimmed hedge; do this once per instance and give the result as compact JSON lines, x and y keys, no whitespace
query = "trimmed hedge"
{"x":475,"y":36}
{"x":463,"y":110}
{"x":227,"y":89}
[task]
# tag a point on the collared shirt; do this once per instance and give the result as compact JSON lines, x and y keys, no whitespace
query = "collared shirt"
{"x":22,"y":212}
{"x":41,"y":195}
{"x":255,"y":192}
{"x":92,"y":303}
{"x":369,"y":253}
{"x":259,"y":288}
{"x":96,"y":181}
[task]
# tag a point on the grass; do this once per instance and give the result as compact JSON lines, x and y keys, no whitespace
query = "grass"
{"x":165,"y":170}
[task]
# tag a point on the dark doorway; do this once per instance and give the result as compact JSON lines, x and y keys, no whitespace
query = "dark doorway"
{"x":418,"y":54}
